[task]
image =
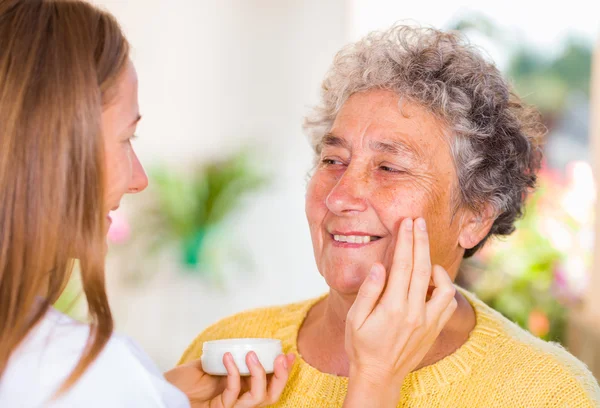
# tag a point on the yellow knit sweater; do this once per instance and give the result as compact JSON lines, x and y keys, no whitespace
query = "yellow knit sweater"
{"x":500,"y":365}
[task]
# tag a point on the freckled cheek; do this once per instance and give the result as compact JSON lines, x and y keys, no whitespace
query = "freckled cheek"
{"x":443,"y":234}
{"x":396,"y":203}
{"x":316,"y":194}
{"x":392,"y":205}
{"x":438,"y":210}
{"x":316,"y":209}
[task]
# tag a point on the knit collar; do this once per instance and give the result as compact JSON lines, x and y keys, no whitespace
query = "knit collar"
{"x":447,"y":371}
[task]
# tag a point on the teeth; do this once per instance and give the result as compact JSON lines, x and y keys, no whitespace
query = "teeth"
{"x":353,"y":239}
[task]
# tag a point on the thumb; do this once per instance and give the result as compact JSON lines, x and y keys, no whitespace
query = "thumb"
{"x":368,"y":295}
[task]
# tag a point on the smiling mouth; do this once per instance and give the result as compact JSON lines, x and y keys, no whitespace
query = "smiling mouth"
{"x":355,"y":239}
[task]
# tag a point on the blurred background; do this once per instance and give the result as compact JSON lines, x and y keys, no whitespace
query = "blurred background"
{"x":224,"y":86}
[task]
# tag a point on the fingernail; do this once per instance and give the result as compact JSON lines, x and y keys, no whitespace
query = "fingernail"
{"x":408,"y":224}
{"x":285,"y":363}
{"x":253,"y":357}
{"x":421,"y":224}
{"x":374,"y":273}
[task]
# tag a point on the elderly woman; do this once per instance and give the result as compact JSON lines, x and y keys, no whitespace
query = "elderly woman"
{"x":414,"y":124}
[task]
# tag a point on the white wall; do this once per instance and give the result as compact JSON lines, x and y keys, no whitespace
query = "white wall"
{"x":212,"y":74}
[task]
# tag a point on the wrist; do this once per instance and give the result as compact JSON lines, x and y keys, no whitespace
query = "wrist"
{"x":375,"y":376}
{"x":374,"y":388}
{"x":170,"y":375}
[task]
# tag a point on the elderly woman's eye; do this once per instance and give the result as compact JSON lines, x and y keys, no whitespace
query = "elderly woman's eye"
{"x":330,"y":162}
{"x":390,"y":169}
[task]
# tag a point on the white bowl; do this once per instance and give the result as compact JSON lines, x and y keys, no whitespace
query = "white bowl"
{"x":266,"y":350}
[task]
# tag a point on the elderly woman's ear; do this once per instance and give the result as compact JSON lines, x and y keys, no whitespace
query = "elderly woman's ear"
{"x":476,"y":226}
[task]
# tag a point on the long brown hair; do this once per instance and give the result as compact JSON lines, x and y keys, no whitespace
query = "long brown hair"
{"x":59,"y":61}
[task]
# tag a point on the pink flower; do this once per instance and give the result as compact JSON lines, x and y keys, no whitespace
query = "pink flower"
{"x":547,"y":175}
{"x":538,"y":323}
{"x":119,"y":230}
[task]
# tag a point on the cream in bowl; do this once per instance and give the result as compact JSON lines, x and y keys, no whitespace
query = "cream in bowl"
{"x":266,"y":350}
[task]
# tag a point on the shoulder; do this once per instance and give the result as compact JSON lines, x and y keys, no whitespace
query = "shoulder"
{"x":262,"y":322}
{"x":119,"y":376}
{"x":123,"y":376}
{"x":544,"y":369}
{"x":551,"y":369}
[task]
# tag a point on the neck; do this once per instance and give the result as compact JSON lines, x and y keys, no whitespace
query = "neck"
{"x":335,"y":311}
{"x":335,"y":308}
{"x":327,"y":320}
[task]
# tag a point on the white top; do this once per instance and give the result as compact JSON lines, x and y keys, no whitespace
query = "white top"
{"x":122,"y":375}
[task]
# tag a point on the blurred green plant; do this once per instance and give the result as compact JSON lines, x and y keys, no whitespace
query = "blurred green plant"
{"x":543,"y":81}
{"x":72,"y":301}
{"x":189,"y":207}
{"x":537,"y":273}
{"x":547,"y":82}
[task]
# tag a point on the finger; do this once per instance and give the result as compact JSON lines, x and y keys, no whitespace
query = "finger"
{"x":442,"y":295}
{"x":278,"y":381}
{"x":421,"y":273}
{"x":446,"y":314}
{"x":291,"y":359}
{"x":368,"y":295}
{"x":402,"y":265}
{"x":258,"y":380}
{"x":232,"y":390}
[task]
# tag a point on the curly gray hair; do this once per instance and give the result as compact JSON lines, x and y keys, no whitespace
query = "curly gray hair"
{"x":496,"y":137}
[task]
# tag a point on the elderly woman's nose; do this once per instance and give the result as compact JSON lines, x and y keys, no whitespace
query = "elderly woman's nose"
{"x":348,"y":195}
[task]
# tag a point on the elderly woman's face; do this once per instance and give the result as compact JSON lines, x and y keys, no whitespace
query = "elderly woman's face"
{"x":379,"y":165}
